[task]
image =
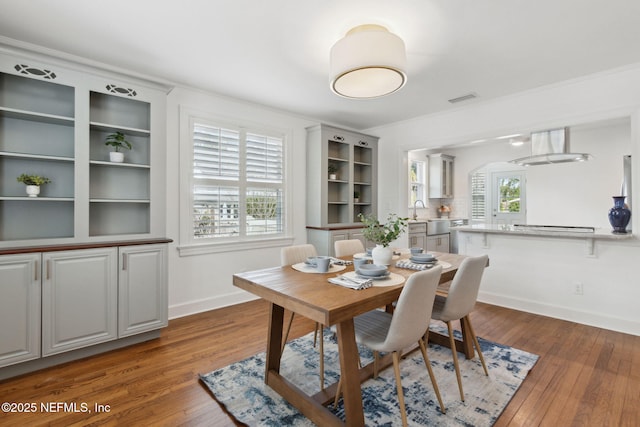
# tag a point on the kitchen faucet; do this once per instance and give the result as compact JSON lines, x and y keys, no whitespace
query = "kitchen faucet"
{"x":415,"y":215}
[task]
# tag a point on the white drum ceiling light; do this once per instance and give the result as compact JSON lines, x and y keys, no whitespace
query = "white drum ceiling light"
{"x":368,"y":62}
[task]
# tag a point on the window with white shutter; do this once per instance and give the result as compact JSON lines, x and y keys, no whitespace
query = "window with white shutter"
{"x":237,"y":183}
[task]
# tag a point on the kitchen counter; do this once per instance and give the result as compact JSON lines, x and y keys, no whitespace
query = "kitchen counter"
{"x":425,"y":220}
{"x":543,"y":230}
{"x":588,"y":234}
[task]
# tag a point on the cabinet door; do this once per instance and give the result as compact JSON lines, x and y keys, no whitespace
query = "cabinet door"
{"x":418,"y":240}
{"x":440,"y":176}
{"x":142,"y":289}
{"x":79,"y":299}
{"x":358,"y":234}
{"x":19,"y":308}
{"x":438,"y":243}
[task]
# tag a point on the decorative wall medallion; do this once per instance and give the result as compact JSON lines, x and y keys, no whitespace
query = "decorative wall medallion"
{"x":45,"y":74}
{"x":121,"y":90}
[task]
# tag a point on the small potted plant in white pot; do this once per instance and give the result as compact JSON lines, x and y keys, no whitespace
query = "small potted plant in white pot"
{"x":382,"y":235}
{"x":33,"y":183}
{"x":117,"y":141}
{"x":356,"y":197}
{"x":332,"y":169}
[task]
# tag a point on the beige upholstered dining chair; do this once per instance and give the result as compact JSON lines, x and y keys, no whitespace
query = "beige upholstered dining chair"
{"x":459,"y":303}
{"x":348,"y":247}
{"x":381,"y":331}
{"x":293,"y":255}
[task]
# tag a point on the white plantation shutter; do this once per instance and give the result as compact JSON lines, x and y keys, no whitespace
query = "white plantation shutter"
{"x":478,"y":195}
{"x":264,"y":158}
{"x":238,"y":183}
{"x":216,"y":153}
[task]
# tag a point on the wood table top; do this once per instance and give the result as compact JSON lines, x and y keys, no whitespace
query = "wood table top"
{"x":312,"y":296}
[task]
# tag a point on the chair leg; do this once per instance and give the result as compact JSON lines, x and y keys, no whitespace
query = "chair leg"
{"x":477,"y":345}
{"x":338,"y":393}
{"x":320,"y":330}
{"x":375,"y":364}
{"x":454,"y":351}
{"x":433,"y":378}
{"x":286,"y":334}
{"x":396,"y":368}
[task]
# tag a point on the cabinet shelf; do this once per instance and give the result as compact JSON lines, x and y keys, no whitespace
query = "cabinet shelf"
{"x":104,"y":127}
{"x":118,"y":165}
{"x":36,"y":156}
{"x":120,"y":201}
{"x":37,"y":199}
{"x":14,"y":113}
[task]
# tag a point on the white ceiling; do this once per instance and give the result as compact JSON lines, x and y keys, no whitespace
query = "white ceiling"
{"x":276,"y":52}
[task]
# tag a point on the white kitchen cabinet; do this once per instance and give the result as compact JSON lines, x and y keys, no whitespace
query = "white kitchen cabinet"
{"x":418,"y":235}
{"x":79,"y":299}
{"x":19,"y":308}
{"x":142,"y":289}
{"x":438,"y":243}
{"x":440,"y":176}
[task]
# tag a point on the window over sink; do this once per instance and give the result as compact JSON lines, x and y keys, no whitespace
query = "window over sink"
{"x":417,"y":181}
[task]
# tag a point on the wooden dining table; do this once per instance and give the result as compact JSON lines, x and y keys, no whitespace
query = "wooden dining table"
{"x":311,"y":295}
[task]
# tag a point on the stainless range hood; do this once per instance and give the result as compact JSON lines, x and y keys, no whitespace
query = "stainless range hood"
{"x":550,"y":146}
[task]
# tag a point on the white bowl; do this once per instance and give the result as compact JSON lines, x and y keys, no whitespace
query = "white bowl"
{"x":423,"y":257}
{"x":372,"y":270}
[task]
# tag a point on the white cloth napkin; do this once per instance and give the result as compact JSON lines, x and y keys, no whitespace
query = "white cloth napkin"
{"x":353,"y":283}
{"x":414,"y":266}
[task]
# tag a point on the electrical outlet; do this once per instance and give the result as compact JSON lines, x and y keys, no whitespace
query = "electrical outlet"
{"x":578,"y":288}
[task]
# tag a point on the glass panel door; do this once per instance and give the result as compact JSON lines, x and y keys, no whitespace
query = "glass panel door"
{"x":508,"y":198}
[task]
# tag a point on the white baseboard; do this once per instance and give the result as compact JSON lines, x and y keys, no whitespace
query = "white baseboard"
{"x":206,"y":304}
{"x":564,"y":313}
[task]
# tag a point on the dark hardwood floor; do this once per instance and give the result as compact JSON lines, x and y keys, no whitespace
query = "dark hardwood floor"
{"x":585,"y":376}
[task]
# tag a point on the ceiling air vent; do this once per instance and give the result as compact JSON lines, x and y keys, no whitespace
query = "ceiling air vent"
{"x":463,"y":98}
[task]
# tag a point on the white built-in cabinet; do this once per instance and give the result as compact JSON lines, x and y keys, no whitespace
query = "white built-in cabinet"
{"x":53,"y":123}
{"x":335,"y":203}
{"x":440,"y":176}
{"x":83,"y":264}
{"x":64,"y":300}
{"x":324,"y":239}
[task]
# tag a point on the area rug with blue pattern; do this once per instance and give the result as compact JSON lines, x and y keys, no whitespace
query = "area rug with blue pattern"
{"x":240,"y":387}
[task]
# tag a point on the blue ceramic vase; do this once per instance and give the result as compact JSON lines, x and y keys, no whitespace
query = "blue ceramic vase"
{"x":619,"y":215}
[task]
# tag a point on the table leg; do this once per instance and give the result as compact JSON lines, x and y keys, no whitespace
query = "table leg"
{"x":467,"y":339}
{"x":464,"y":346}
{"x":274,"y":340}
{"x":349,"y":374}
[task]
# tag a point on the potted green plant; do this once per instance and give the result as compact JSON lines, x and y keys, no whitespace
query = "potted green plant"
{"x":117,"y":140}
{"x":332,"y":169}
{"x":382,"y":235}
{"x":33,"y":183}
{"x":356,"y":196}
